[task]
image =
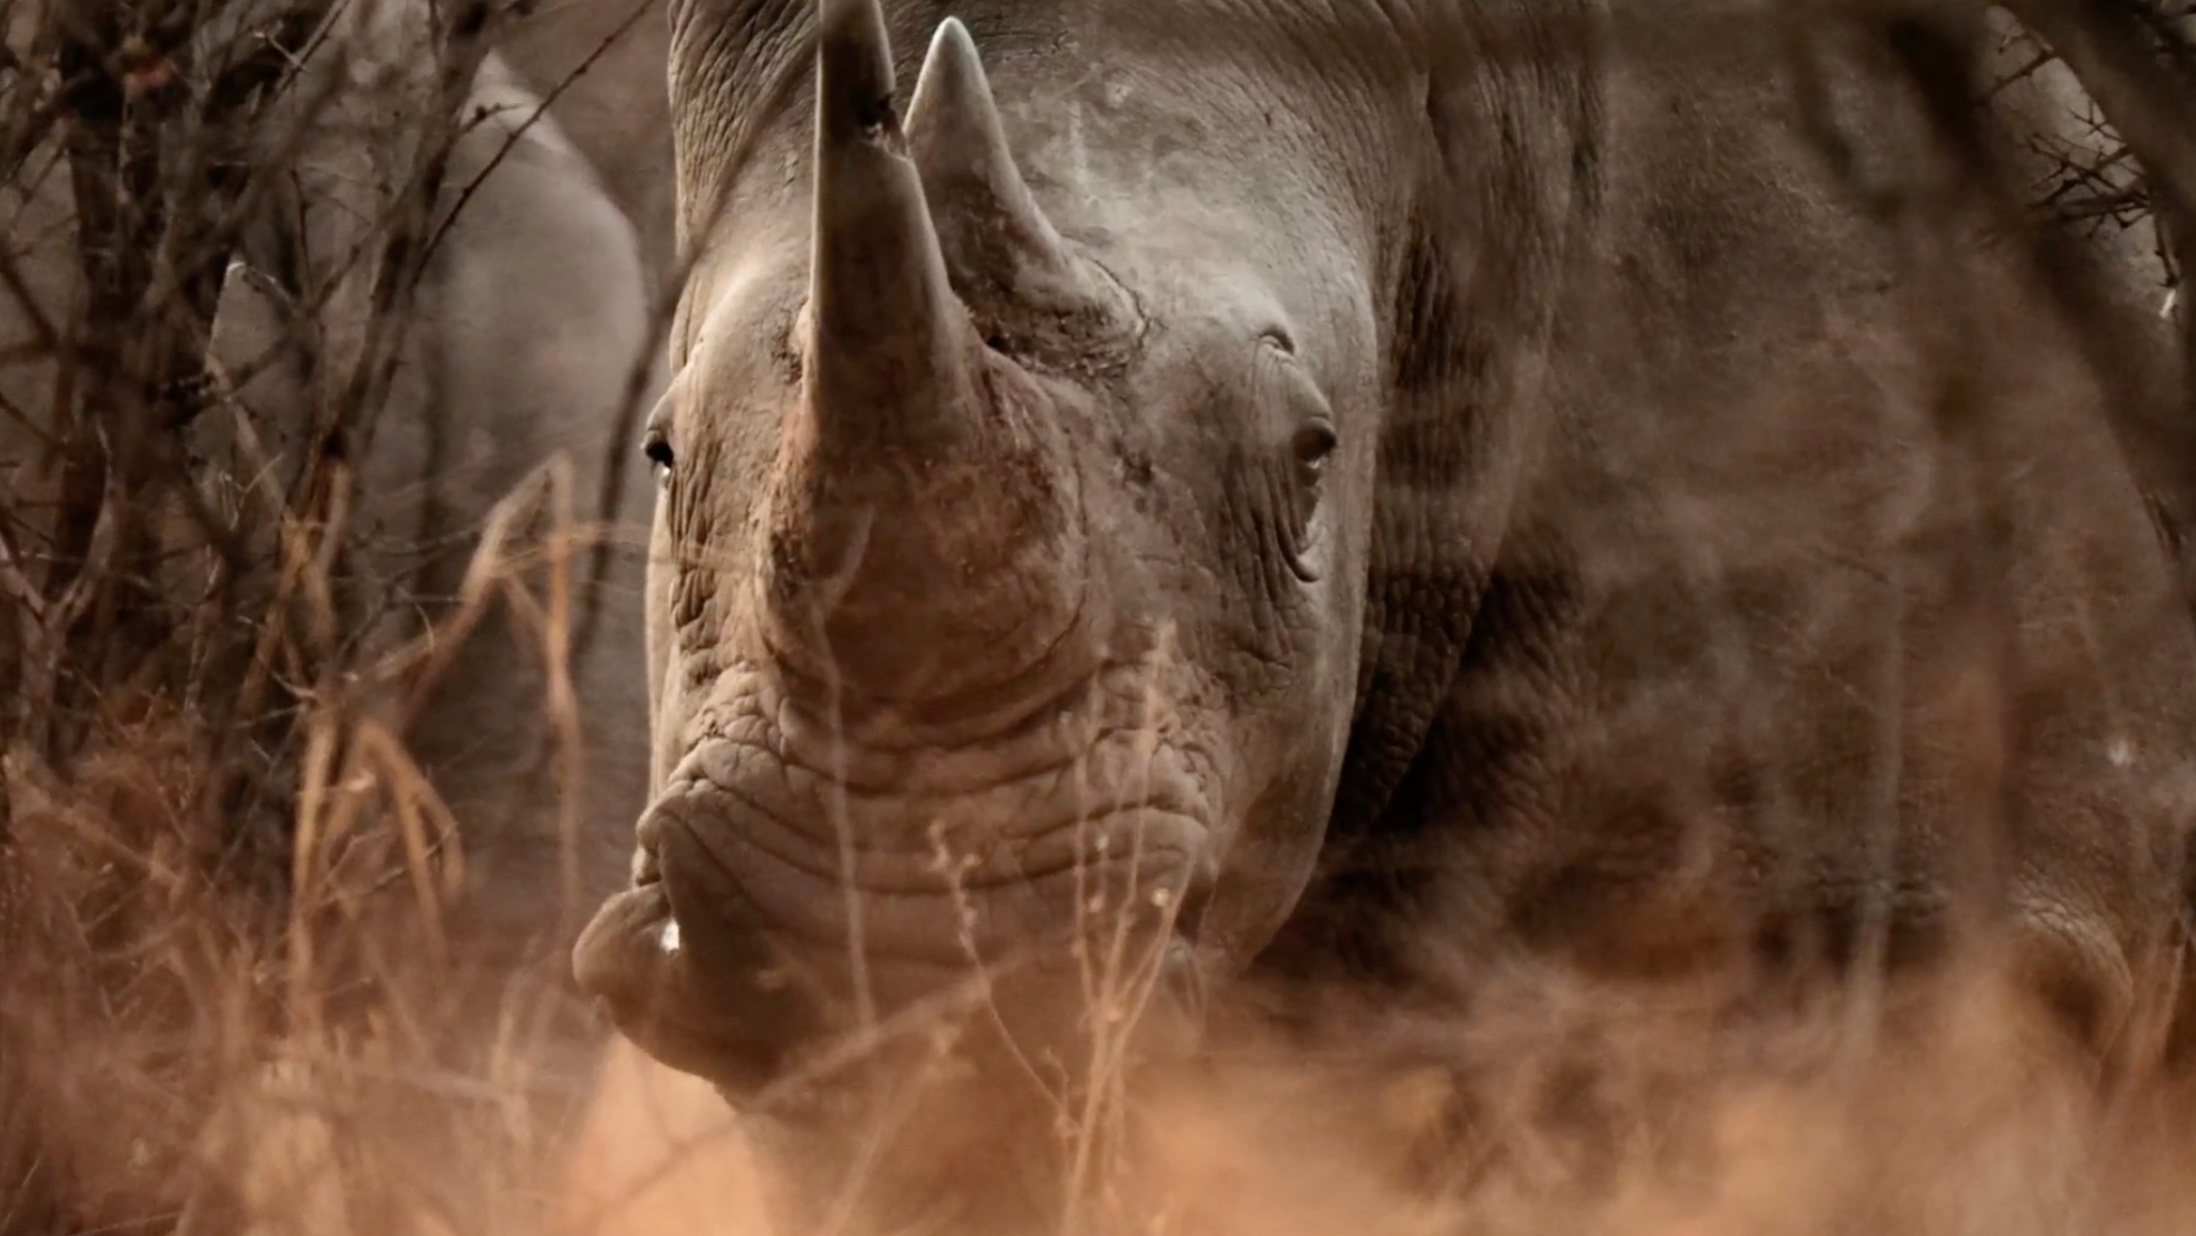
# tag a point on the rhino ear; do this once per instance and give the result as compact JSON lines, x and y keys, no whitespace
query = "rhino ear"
{"x":997,"y":241}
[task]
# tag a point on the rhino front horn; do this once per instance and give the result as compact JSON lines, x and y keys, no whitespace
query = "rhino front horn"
{"x":1000,"y":248}
{"x":888,"y":364}
{"x":924,"y":539}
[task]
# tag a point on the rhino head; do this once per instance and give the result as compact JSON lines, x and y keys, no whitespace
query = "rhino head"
{"x":1028,"y":514}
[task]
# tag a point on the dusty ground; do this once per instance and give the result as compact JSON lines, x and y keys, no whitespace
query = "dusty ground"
{"x":1962,"y":1130}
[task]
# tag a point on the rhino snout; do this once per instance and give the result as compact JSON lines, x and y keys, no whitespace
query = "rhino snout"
{"x":741,"y":957}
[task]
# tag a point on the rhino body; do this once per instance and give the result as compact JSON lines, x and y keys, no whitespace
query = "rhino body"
{"x":603,"y":64}
{"x":531,"y":329}
{"x":1254,"y":496}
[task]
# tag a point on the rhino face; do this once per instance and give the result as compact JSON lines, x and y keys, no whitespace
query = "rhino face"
{"x":1011,"y":558}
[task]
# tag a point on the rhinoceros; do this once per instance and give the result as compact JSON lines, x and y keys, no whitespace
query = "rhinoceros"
{"x":532,"y":329}
{"x":603,"y":65}
{"x":1238,"y":495}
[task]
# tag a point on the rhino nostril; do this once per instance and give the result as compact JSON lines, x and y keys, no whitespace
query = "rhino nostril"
{"x":1189,"y":916}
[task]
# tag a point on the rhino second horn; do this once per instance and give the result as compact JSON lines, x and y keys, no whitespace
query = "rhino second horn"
{"x":997,"y":242}
{"x":888,"y":359}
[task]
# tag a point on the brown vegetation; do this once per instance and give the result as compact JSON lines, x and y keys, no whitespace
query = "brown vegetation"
{"x":223,"y":878}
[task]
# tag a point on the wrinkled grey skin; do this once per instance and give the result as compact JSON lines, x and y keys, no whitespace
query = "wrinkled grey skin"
{"x":1447,"y":495}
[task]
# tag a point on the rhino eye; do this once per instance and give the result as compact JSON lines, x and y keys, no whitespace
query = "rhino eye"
{"x":1309,"y":447}
{"x":1313,"y":442}
{"x":659,"y":451}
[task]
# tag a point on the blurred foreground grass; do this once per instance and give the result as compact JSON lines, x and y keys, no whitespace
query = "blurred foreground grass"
{"x":1967,"y":1125}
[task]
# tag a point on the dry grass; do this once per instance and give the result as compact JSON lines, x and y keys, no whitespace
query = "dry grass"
{"x":180,"y":1098}
{"x":226,"y":883}
{"x":189,"y":1078}
{"x":181,"y":1052}
{"x":1973,"y":1127}
{"x":158,"y":993}
{"x":1966,"y":1132}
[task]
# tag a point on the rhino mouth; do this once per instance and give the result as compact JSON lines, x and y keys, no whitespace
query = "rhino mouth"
{"x":629,"y":960}
{"x":737,"y":952}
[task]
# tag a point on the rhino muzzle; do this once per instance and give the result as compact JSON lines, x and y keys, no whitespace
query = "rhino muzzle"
{"x":750,"y":947}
